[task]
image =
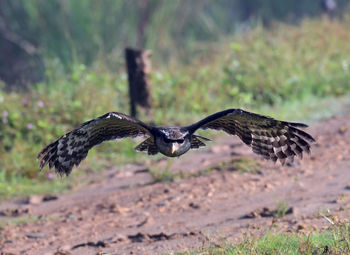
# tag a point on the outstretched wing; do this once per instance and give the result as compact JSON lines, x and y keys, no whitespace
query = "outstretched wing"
{"x":73,"y":147}
{"x":273,"y":139}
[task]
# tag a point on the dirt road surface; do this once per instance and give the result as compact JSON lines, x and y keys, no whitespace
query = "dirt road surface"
{"x":121,"y":211}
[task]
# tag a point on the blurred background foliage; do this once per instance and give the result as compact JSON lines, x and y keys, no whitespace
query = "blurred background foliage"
{"x":70,"y":32}
{"x":62,"y":63}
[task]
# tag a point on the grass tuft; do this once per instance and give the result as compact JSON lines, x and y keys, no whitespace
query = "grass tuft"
{"x":281,"y":209}
{"x":335,"y":241}
{"x":241,"y":165}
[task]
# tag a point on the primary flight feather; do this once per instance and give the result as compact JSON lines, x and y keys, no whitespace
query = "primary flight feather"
{"x":273,"y":139}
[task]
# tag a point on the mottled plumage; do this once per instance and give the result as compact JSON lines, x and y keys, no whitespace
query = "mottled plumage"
{"x":268,"y":137}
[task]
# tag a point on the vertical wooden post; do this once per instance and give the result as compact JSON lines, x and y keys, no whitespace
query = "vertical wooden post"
{"x":329,"y":8}
{"x":138,"y":66}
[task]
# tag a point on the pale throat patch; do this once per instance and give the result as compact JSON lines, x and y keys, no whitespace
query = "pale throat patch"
{"x":174,"y":147}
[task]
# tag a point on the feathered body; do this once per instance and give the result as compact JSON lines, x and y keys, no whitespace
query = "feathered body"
{"x":268,"y":137}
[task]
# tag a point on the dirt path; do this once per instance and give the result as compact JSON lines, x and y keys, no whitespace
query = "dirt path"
{"x":120,"y":212}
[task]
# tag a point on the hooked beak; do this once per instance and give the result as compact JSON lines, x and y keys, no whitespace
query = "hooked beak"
{"x":174,"y":147}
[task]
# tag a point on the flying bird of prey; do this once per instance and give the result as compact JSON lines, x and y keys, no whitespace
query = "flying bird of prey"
{"x":273,"y":139}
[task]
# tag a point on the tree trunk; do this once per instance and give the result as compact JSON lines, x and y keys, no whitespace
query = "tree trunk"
{"x":138,"y":66}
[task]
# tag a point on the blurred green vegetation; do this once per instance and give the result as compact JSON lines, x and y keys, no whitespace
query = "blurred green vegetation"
{"x":334,"y":240}
{"x":291,"y":62}
{"x":284,"y":67}
{"x":74,"y":31}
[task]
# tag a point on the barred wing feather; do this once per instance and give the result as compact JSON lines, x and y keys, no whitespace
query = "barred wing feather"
{"x":69,"y":150}
{"x":273,"y":139}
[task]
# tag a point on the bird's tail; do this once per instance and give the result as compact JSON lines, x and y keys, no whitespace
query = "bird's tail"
{"x":148,"y":146}
{"x":196,"y":141}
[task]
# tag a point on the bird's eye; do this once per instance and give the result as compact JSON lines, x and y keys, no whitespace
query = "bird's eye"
{"x":180,"y":140}
{"x":167,"y":140}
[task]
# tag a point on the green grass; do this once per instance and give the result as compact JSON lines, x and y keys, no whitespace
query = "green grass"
{"x":281,"y":209}
{"x":242,"y":165}
{"x":23,"y":186}
{"x":23,"y":220}
{"x":286,"y":72}
{"x":18,"y":221}
{"x":290,"y":62}
{"x":335,"y":240}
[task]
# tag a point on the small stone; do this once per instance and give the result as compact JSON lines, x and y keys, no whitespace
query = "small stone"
{"x":267,"y":186}
{"x":300,"y":227}
{"x":161,"y":204}
{"x":193,"y":205}
{"x":119,"y":238}
{"x":35,"y":235}
{"x":290,"y":210}
{"x":62,"y":252}
{"x":49,"y":198}
{"x":71,"y":216}
{"x":14,"y":212}
{"x":251,"y":215}
{"x":116,"y":209}
{"x":342,"y":130}
{"x":34,"y":200}
{"x":266,"y":212}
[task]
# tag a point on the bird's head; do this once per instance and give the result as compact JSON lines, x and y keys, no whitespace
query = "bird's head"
{"x":173,"y":142}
